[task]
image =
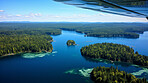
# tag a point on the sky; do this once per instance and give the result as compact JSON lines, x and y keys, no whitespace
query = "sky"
{"x":51,"y":11}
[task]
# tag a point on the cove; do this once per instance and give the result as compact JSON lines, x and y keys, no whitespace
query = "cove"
{"x":65,"y":64}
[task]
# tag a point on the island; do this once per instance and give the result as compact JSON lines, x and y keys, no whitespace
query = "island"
{"x":114,"y":52}
{"x":70,"y":42}
{"x":25,"y":37}
{"x":113,"y":75}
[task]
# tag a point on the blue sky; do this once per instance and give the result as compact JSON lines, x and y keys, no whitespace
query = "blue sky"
{"x":51,"y":11}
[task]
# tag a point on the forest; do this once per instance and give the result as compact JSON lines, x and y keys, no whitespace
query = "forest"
{"x":25,"y":37}
{"x":28,"y":36}
{"x":12,"y":44}
{"x":113,"y":75}
{"x":125,"y":30}
{"x":114,"y":52}
{"x":29,"y":28}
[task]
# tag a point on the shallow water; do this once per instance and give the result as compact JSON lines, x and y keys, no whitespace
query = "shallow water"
{"x":65,"y":64}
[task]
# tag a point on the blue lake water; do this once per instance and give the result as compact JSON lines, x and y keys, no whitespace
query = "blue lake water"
{"x":65,"y":64}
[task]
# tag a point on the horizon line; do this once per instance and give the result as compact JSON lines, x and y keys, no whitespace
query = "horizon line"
{"x":64,"y":21}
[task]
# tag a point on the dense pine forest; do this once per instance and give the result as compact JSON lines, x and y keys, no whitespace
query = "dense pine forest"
{"x":28,"y":36}
{"x":25,"y":37}
{"x":114,"y":52}
{"x":113,"y":75}
{"x":29,"y":28}
{"x":126,"y":30}
{"x":12,"y":44}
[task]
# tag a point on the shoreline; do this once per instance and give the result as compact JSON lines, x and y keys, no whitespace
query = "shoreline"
{"x":13,"y":54}
{"x":112,"y":62}
{"x":123,"y":35}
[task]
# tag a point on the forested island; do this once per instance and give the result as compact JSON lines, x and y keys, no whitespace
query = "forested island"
{"x":70,"y":42}
{"x":113,"y":75}
{"x":114,"y":52}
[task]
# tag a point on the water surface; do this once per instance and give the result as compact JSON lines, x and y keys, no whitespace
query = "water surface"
{"x":65,"y":64}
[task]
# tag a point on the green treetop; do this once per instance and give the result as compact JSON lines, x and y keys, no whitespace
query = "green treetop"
{"x":70,"y":42}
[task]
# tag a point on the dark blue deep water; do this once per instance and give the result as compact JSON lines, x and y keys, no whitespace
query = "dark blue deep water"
{"x":65,"y":64}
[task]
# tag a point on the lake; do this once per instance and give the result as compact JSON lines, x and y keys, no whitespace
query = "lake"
{"x":65,"y":64}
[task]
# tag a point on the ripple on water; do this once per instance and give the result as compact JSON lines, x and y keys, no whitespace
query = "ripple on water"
{"x":82,"y":72}
{"x":37,"y":55}
{"x":140,"y":72}
{"x":86,"y":72}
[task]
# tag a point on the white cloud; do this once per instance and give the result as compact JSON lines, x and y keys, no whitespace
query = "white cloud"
{"x":27,"y":16}
{"x":1,"y":10}
{"x":53,"y":16}
{"x":98,"y":17}
{"x":101,"y":14}
{"x":9,"y":15}
{"x":18,"y":15}
{"x":2,"y":17}
{"x":57,"y":16}
{"x":38,"y":14}
{"x":35,"y":14}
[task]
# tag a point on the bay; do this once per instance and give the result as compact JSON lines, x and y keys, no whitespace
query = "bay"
{"x":65,"y":64}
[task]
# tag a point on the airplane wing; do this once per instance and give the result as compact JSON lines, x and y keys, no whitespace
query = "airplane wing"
{"x":132,"y":8}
